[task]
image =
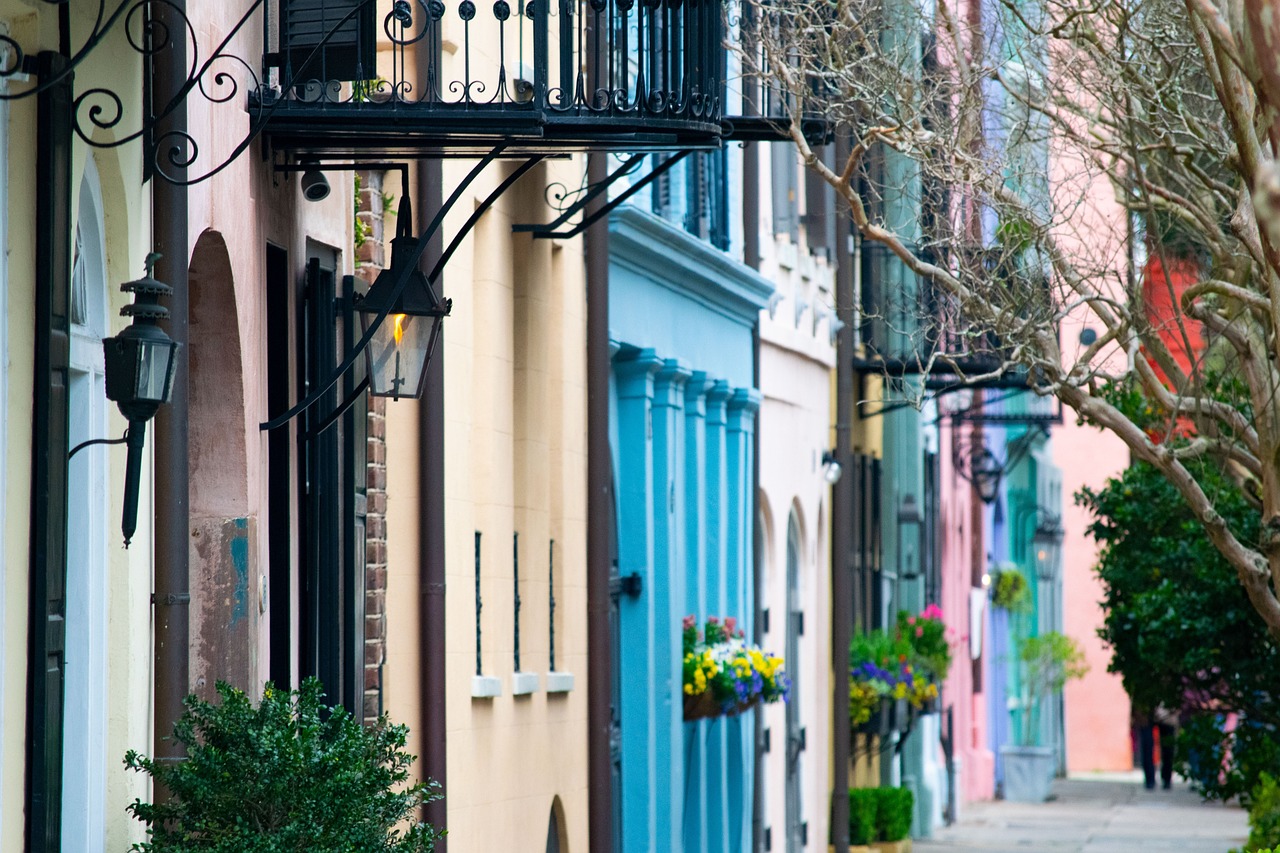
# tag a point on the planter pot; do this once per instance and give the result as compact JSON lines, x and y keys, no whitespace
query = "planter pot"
{"x":883,"y":720}
{"x":903,"y":846}
{"x":704,"y":706}
{"x":1028,"y":773}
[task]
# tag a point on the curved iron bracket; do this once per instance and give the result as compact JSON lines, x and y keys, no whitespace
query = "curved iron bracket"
{"x":590,"y":193}
{"x":403,"y":278}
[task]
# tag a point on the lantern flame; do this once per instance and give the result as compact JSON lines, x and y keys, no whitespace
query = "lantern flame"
{"x":398,"y":330}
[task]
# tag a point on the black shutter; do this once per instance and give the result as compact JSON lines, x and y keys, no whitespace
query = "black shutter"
{"x":328,"y":39}
{"x":333,"y":540}
{"x":47,"y":598}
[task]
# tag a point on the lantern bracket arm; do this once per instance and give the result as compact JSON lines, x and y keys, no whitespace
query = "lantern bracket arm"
{"x":82,"y":445}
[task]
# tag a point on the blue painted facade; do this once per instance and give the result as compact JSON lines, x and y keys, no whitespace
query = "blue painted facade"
{"x":682,"y":415}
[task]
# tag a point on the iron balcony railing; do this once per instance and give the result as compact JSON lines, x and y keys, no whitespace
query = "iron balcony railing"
{"x":910,"y":327}
{"x":540,"y":75}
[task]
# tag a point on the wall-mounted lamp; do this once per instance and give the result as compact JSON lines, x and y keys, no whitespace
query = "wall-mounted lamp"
{"x":1047,"y":542}
{"x":139,"y":364}
{"x":978,"y":464}
{"x":909,"y":515}
{"x":402,"y":345}
{"x":831,"y":469}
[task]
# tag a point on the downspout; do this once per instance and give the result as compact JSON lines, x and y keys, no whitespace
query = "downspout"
{"x":842,"y":591}
{"x":431,"y":555}
{"x":751,"y":257}
{"x":431,"y":486}
{"x":599,"y":526}
{"x":600,"y":502}
{"x":172,"y":596}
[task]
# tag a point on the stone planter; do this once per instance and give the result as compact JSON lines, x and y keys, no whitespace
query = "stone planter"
{"x":1028,"y":773}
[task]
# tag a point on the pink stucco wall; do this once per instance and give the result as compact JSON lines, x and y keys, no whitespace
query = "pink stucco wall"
{"x":961,"y":546}
{"x":1097,"y":708}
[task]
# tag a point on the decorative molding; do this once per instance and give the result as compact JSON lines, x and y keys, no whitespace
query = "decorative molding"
{"x":681,"y":262}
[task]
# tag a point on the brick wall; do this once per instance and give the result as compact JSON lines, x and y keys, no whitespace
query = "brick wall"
{"x":370,"y":257}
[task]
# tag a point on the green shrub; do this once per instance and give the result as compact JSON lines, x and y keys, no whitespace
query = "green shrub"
{"x":1264,"y":814}
{"x":863,"y":805}
{"x":893,"y":813}
{"x":288,"y":775}
{"x":879,"y":814}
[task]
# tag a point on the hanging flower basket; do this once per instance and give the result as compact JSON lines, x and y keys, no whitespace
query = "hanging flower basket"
{"x":723,"y":675}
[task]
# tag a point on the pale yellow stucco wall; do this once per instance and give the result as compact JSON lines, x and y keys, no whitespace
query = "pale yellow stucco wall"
{"x":126,"y":230}
{"x":515,"y":433}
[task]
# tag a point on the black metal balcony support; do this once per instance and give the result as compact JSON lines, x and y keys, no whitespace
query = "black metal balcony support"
{"x":549,"y":230}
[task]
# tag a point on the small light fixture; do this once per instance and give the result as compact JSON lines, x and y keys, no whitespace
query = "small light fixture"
{"x":139,"y":364}
{"x":831,"y":469}
{"x":315,"y":186}
{"x":1047,"y":542}
{"x":986,"y":475}
{"x":401,"y":347}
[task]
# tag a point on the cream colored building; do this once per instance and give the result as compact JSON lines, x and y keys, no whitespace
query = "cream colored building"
{"x":797,"y":360}
{"x":107,"y":636}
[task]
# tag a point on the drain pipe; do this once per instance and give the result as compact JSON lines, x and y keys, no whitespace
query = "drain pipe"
{"x":172,"y":594}
{"x":842,"y":588}
{"x":599,"y":527}
{"x":432,"y":687}
{"x":751,"y":257}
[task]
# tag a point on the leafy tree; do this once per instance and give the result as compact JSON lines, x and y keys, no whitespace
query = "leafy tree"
{"x":288,"y":776}
{"x":1164,"y":117}
{"x":1181,"y":629}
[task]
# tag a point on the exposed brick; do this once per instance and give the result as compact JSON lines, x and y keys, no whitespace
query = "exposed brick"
{"x":375,"y":603}
{"x":378,"y":502}
{"x":372,"y":678}
{"x":372,"y":706}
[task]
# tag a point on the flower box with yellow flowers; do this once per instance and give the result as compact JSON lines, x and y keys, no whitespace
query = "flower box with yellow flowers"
{"x":723,"y":674}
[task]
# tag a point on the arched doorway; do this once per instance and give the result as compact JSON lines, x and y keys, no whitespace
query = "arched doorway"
{"x":84,"y":759}
{"x":224,"y":609}
{"x":795,"y":732}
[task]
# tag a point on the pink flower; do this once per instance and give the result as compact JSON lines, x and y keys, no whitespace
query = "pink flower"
{"x":713,"y":620}
{"x":689,"y":622}
{"x":730,"y":624}
{"x":911,"y":620}
{"x":920,"y":631}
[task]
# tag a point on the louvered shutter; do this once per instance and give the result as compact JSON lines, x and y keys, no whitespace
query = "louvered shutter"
{"x":347,"y":53}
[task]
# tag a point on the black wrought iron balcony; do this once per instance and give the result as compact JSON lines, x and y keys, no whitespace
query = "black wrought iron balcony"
{"x":458,"y":77}
{"x":910,"y":327}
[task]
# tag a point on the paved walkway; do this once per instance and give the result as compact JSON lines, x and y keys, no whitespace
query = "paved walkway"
{"x":1110,"y":813}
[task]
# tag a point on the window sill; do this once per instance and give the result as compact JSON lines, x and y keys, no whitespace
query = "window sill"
{"x":485,"y":686}
{"x":559,"y":682}
{"x":524,"y":683}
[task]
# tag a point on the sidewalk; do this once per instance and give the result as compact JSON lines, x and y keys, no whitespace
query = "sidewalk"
{"x":1109,"y":813}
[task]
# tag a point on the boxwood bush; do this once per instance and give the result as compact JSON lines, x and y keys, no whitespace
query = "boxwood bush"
{"x":288,"y":775}
{"x":879,"y":814}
